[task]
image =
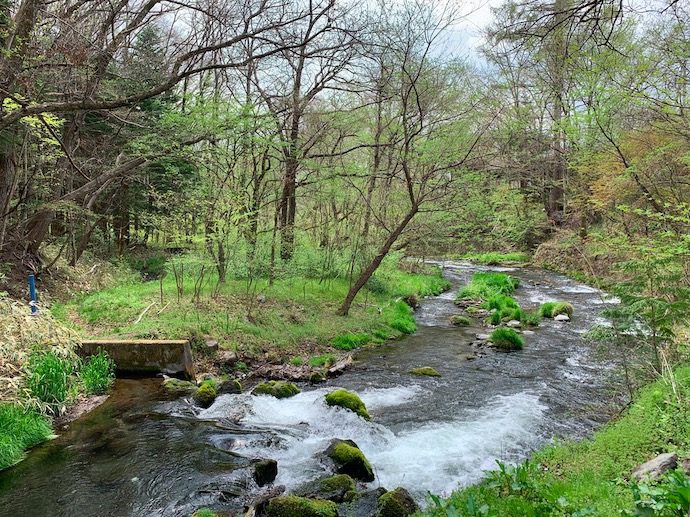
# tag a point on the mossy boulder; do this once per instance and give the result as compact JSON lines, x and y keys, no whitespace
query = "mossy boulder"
{"x":230,"y":386}
{"x":425,"y":370}
{"x":293,"y":506}
{"x":396,"y":503}
{"x":347,"y":400}
{"x":350,"y":460}
{"x":174,"y":384}
{"x":265,"y":471}
{"x":339,"y":488}
{"x":316,"y":377}
{"x":205,"y":395}
{"x":277,"y":389}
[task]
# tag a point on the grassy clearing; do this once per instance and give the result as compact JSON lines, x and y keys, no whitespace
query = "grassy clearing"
{"x":589,"y":477}
{"x":293,"y":317}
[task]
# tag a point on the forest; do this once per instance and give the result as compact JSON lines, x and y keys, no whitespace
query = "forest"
{"x":273,"y":174}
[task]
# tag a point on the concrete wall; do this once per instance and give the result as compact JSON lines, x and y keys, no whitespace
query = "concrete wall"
{"x":145,"y":356}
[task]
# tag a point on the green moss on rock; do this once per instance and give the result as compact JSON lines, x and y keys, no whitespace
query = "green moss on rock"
{"x":277,"y":389}
{"x":347,"y":400}
{"x":350,"y":460}
{"x":293,"y":506}
{"x":460,"y":320}
{"x":397,"y":503}
{"x":425,"y":370}
{"x":173,"y":384}
{"x":205,"y":395}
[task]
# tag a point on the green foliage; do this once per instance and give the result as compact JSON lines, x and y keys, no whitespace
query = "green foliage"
{"x":376,"y":285}
{"x":546,"y":309}
{"x":483,"y":286}
{"x":494,"y":318}
{"x":530,"y":318}
{"x":670,"y":496}
{"x":277,"y":389}
{"x":403,"y":319}
{"x":458,"y":319}
{"x":506,"y":339}
{"x":347,"y":400}
{"x":204,"y":512}
{"x":350,"y":341}
{"x":98,"y":373}
{"x":20,"y":429}
{"x":496,"y":259}
{"x":48,"y":378}
{"x":322,"y":360}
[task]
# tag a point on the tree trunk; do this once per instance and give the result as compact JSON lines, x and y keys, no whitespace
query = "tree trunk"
{"x":376,"y":262}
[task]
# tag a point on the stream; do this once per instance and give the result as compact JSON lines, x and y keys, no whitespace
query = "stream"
{"x":147,"y":453}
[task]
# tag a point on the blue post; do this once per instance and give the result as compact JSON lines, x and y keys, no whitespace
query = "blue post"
{"x":32,"y":293}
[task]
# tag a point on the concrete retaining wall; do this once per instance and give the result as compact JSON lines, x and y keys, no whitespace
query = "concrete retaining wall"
{"x":142,"y":356}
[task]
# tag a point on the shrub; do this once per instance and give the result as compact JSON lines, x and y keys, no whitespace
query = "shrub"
{"x":48,"y":377}
{"x":350,"y":341}
{"x":376,"y":285}
{"x":506,"y":339}
{"x":19,"y":430}
{"x":98,"y":374}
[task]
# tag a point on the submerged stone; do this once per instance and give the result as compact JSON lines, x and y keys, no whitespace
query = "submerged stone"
{"x":265,"y":471}
{"x":347,"y":400}
{"x":397,"y":503}
{"x":425,"y":370}
{"x":277,"y":389}
{"x":293,"y":506}
{"x":350,"y":460}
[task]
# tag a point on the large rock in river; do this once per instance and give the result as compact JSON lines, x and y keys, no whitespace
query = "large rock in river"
{"x":397,"y":503}
{"x":347,"y":400}
{"x":350,"y":460}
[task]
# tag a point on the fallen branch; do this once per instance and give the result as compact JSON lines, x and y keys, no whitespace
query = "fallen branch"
{"x":144,"y":312}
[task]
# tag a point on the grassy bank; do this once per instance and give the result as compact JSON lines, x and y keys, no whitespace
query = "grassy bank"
{"x":591,"y":477}
{"x":291,"y":319}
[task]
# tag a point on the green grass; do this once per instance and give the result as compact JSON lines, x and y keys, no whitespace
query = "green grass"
{"x":552,"y":309}
{"x":506,"y":339}
{"x":350,"y":341}
{"x":48,"y":377}
{"x":295,"y":318}
{"x":322,"y":360}
{"x":20,"y":429}
{"x":495,"y":259}
{"x":587,"y":477}
{"x":484,"y":286}
{"x":97,"y":374}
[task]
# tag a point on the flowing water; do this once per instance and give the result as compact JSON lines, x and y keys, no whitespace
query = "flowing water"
{"x":141,"y":454}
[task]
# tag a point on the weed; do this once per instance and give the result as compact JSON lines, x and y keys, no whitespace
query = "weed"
{"x":98,"y":373}
{"x":322,"y":360}
{"x":546,"y":309}
{"x":20,"y":429}
{"x":506,"y":339}
{"x":48,"y":377}
{"x":530,"y":318}
{"x":669,"y":497}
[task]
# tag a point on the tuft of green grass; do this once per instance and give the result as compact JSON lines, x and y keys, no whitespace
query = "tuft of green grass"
{"x":403,"y":319}
{"x":350,"y":341}
{"x":552,"y":309}
{"x":98,"y":373}
{"x":546,"y":309}
{"x":458,"y":319}
{"x":530,"y":318}
{"x":483,"y":286}
{"x":322,"y":360}
{"x":48,"y":377}
{"x":506,"y":339}
{"x":495,"y":259}
{"x":20,"y":429}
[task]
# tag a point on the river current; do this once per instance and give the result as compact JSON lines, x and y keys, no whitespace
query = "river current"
{"x":141,"y":454}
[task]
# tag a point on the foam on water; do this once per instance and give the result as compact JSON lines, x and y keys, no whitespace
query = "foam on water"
{"x":432,"y":457}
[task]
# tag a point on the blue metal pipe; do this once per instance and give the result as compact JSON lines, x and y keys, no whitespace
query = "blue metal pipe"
{"x":32,"y":294}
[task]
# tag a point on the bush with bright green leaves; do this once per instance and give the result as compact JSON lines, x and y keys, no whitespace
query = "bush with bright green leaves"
{"x":20,"y":429}
{"x":97,"y":373}
{"x":506,"y":339}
